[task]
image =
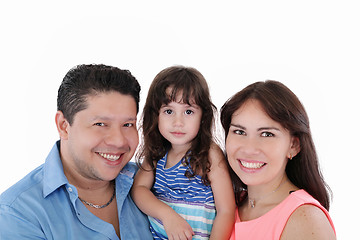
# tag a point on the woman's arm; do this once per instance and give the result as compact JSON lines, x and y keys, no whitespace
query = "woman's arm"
{"x":223,"y":195}
{"x":308,"y":222}
{"x":175,"y":226}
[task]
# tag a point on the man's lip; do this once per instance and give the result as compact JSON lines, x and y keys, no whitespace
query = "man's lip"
{"x":112,"y":160}
{"x":111,"y":156}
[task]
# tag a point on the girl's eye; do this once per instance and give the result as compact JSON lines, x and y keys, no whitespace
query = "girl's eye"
{"x":168,"y":111}
{"x":189,"y":112}
{"x":100,"y":124}
{"x":239,"y":132}
{"x":267,"y":134}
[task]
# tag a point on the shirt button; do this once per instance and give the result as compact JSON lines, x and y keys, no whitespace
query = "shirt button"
{"x":70,"y":189}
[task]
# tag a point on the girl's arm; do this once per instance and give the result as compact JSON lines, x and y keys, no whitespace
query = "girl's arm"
{"x":308,"y":222}
{"x":223,"y":195}
{"x":175,"y":226}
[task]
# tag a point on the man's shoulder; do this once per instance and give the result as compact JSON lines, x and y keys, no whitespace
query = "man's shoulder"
{"x":31,"y":184}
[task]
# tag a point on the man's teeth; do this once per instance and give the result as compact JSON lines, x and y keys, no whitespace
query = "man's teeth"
{"x":252,"y":164}
{"x":110,"y":157}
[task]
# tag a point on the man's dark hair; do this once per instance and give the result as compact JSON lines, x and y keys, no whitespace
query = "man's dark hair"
{"x":83,"y":81}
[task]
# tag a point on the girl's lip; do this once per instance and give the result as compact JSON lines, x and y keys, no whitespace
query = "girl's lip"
{"x":177,"y":133}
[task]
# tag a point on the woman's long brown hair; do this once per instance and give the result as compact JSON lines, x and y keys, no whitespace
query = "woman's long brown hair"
{"x":283,"y":106}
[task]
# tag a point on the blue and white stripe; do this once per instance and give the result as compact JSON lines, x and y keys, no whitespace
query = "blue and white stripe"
{"x":189,"y":197}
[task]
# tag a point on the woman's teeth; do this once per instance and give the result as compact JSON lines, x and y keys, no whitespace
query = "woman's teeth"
{"x":253,"y":165}
{"x":109,"y":157}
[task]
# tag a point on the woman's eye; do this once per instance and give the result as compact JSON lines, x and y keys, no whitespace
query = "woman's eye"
{"x":129,"y":125}
{"x":100,"y":124}
{"x":189,"y":112}
{"x":267,"y":134}
{"x":239,"y":132}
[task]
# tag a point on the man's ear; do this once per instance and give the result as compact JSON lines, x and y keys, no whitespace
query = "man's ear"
{"x":62,"y":125}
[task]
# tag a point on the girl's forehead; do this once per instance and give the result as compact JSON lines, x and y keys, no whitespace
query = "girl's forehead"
{"x":180,"y":96}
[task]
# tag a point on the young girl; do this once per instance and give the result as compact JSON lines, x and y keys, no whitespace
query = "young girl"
{"x":183,"y":184}
{"x":279,"y":190}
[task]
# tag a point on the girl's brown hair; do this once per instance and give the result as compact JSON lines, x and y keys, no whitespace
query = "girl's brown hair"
{"x":192,"y":84}
{"x":283,"y":106}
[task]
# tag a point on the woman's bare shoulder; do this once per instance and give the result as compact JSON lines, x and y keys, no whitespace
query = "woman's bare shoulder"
{"x":308,"y":222}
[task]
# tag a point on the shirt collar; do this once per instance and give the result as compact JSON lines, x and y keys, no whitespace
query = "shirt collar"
{"x":54,"y":176}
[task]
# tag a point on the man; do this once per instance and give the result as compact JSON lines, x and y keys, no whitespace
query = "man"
{"x":82,"y":189}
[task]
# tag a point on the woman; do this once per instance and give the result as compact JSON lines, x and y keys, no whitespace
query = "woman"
{"x":279,"y":189}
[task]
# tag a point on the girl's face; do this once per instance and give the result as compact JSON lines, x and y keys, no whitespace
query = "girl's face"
{"x":179,"y":122}
{"x":258,"y":147}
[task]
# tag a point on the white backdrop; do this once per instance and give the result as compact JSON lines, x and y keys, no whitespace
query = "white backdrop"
{"x":311,"y":46}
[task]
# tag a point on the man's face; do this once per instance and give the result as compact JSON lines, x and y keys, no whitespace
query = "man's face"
{"x":102,"y":138}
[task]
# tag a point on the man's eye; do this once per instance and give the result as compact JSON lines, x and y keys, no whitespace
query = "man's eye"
{"x":267,"y":134}
{"x":100,"y":124}
{"x":189,"y":112}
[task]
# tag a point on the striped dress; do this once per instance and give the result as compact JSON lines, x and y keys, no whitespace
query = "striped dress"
{"x":189,"y":197}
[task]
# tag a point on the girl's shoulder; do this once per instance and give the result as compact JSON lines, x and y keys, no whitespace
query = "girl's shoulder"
{"x":215,"y":152}
{"x":216,"y":156}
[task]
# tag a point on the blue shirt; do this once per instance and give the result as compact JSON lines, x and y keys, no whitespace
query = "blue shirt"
{"x":43,"y":205}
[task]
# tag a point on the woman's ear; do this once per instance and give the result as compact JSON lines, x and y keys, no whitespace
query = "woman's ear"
{"x":62,"y":125}
{"x":295,"y":147}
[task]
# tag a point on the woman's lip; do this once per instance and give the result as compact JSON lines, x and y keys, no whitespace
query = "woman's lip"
{"x":250,"y":165}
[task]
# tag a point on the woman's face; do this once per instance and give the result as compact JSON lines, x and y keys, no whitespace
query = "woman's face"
{"x":258,"y":147}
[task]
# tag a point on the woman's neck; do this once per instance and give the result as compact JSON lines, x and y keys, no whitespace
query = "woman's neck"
{"x":259,"y":191}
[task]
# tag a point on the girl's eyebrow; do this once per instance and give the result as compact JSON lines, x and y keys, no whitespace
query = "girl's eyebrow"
{"x":185,"y":104}
{"x":194,"y":106}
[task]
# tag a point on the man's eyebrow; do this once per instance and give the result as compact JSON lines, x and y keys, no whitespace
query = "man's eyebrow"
{"x":106,"y":118}
{"x":100,"y":118}
{"x":132,"y":119}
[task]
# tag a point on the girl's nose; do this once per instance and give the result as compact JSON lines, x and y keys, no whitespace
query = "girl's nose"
{"x":178,"y":120}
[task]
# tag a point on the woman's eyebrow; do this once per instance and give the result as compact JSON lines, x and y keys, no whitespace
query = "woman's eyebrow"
{"x":268,"y":128}
{"x":259,"y":129}
{"x":237,"y":126}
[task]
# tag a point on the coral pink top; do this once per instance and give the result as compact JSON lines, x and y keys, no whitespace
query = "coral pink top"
{"x":272,"y":224}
